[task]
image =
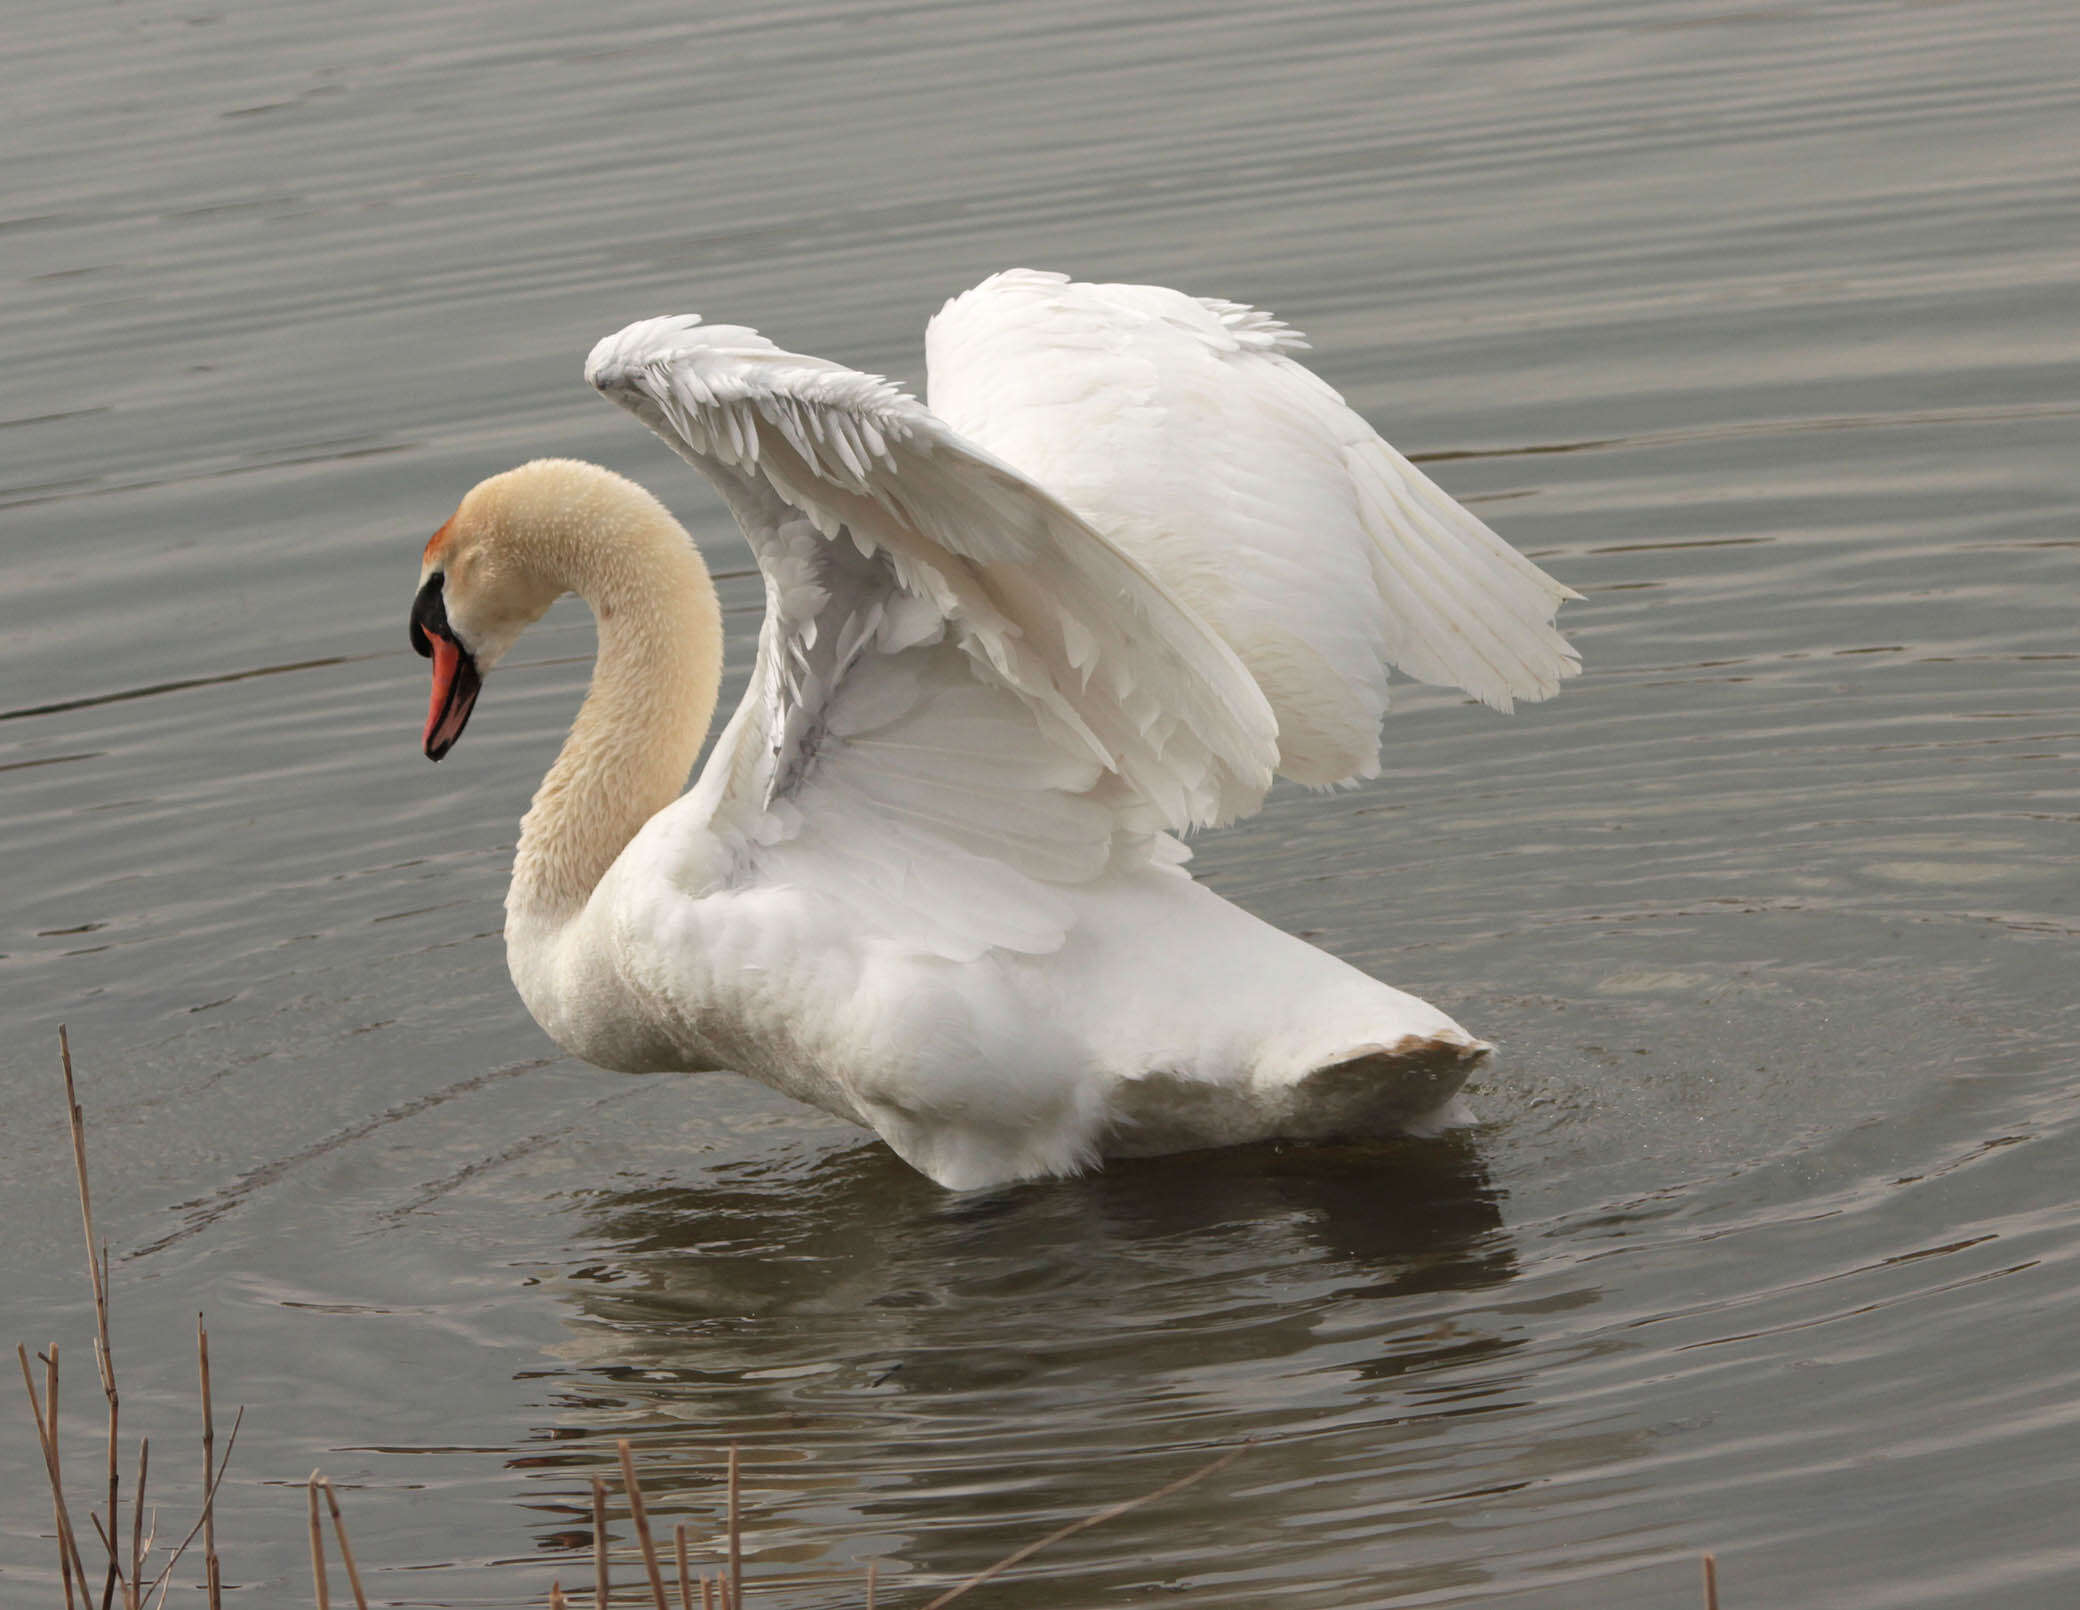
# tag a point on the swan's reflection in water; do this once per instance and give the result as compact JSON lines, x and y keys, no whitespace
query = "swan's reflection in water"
{"x":932,"y":1379}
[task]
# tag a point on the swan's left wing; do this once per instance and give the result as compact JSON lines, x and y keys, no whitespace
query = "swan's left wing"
{"x":955,"y":671}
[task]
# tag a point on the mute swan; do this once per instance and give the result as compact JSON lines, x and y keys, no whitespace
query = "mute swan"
{"x":1133,"y":560}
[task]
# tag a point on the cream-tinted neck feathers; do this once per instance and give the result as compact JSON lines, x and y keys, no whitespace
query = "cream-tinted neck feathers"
{"x":518,"y":542}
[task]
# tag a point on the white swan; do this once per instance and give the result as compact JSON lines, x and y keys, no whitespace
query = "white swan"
{"x":926,"y":880}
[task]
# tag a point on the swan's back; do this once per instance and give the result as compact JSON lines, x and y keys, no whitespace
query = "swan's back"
{"x":1182,"y":430}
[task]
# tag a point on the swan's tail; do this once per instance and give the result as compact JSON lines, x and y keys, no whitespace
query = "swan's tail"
{"x":1410,"y":1087}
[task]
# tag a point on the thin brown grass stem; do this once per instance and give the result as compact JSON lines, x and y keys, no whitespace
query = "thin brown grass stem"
{"x":77,"y":1119}
{"x":685,"y":1577}
{"x":640,"y":1514}
{"x":346,"y":1550}
{"x":115,"y":1474}
{"x":208,"y":1499}
{"x":47,"y":1438}
{"x":97,"y":1273}
{"x":873,"y":1571}
{"x":707,"y":1592}
{"x":319,"y":1579}
{"x":137,"y":1593}
{"x":556,"y":1599}
{"x":1016,"y":1555}
{"x":734,"y":1586}
{"x":600,"y":1583}
{"x":144,"y":1465}
{"x":1711,"y":1582}
{"x":50,"y":1398}
{"x":107,"y":1542}
{"x":213,"y":1576}
{"x":151,"y":1538}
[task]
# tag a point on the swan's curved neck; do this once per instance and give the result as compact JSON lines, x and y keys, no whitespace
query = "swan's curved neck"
{"x":653,"y":693}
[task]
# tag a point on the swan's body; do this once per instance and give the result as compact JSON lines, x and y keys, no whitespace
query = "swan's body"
{"x":926,"y":880}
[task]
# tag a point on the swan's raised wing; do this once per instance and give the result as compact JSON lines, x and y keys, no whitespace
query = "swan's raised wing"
{"x":1182,"y":430}
{"x":958,"y":680}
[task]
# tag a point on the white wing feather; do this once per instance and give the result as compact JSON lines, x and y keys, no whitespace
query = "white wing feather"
{"x":1181,"y":430}
{"x":963,"y":693}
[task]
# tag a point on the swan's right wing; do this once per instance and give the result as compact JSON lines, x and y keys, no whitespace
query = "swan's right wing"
{"x":963,"y":693}
{"x":1182,"y":430}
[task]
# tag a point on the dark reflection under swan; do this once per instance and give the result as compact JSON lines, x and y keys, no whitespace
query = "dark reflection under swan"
{"x":953,"y":1371}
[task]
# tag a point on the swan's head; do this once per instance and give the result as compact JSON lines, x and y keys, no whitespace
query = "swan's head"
{"x":489,"y":574}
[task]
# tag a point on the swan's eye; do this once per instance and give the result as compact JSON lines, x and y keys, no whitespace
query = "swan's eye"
{"x":430,"y":616}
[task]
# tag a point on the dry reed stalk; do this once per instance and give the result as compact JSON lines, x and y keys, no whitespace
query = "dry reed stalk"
{"x":640,"y":1514}
{"x":734,"y":1586}
{"x":115,"y":1564}
{"x":318,"y":1576}
{"x":346,"y":1551}
{"x":100,"y":1531}
{"x":159,"y":1584}
{"x":556,"y":1599}
{"x":137,"y":1592}
{"x":685,"y":1578}
{"x":600,"y":1584}
{"x":212,"y":1570}
{"x":97,"y":1273}
{"x":708,"y":1592}
{"x":47,"y":1437}
{"x":1031,"y":1549}
{"x":137,"y":1544}
{"x":1711,"y":1582}
{"x":872,"y":1573}
{"x":50,"y":1397}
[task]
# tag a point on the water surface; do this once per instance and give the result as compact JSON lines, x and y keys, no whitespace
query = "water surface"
{"x":1753,"y":324}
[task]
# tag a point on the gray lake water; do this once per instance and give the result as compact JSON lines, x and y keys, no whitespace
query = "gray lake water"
{"x":1755,"y":324}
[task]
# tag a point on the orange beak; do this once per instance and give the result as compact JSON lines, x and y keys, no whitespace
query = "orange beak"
{"x":456,"y":680}
{"x":455,"y":688}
